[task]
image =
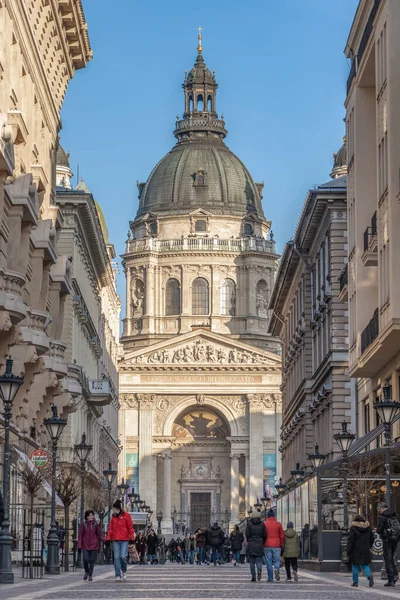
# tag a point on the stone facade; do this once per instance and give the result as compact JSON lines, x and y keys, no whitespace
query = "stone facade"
{"x":373,"y":94}
{"x":200,"y":375}
{"x":90,"y":328}
{"x":42,"y":45}
{"x":311,"y":321}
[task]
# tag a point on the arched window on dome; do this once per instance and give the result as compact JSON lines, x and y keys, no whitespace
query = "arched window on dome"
{"x":248,"y":229}
{"x":262,"y":298}
{"x":190,"y":103}
{"x":200,"y":297}
{"x":200,"y":102}
{"x":172,"y":298}
{"x":228,"y":297}
{"x":209,"y":104}
{"x":200,"y":225}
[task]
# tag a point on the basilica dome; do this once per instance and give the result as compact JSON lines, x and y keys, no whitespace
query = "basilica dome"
{"x":200,"y":171}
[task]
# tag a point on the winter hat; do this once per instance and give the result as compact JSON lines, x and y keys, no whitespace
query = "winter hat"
{"x":290,"y":525}
{"x":359,"y":518}
{"x":117,"y":504}
{"x":270,"y":513}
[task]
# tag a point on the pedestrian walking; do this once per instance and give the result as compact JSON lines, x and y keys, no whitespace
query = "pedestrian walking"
{"x":172,"y":547}
{"x":191,"y":548}
{"x":89,"y":537}
{"x":359,"y":547}
{"x":273,"y":545}
{"x":141,"y":547}
{"x":120,"y":533}
{"x":256,"y":535}
{"x":200,"y":543}
{"x":216,"y":538}
{"x":389,"y":530}
{"x":152,"y":545}
{"x":291,"y":551}
{"x":237,"y":539}
{"x":314,"y":542}
{"x":305,"y":542}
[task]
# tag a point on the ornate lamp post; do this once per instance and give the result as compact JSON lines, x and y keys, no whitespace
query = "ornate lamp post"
{"x":297,"y":473}
{"x":280,"y":487}
{"x":258,"y":505}
{"x":316,"y":458}
{"x":123,"y":488}
{"x":387,"y":410}
{"x":344,"y":439}
{"x":265,"y":501}
{"x":109,"y":475}
{"x":9,"y":386}
{"x":159,"y":517}
{"x":82,"y":450}
{"x":55,"y":426}
{"x":250,"y":512}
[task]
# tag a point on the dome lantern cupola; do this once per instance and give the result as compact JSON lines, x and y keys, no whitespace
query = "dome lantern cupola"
{"x":200,"y":117}
{"x":340,"y":161}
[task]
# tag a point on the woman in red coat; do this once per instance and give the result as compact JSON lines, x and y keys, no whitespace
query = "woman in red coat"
{"x":89,"y":537}
{"x":120,"y":532}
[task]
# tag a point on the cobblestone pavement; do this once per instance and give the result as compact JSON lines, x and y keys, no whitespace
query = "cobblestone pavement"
{"x":175,"y":582}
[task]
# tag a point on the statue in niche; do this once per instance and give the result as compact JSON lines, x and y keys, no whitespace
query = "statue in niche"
{"x":137,"y":297}
{"x":262,"y":298}
{"x":22,"y":421}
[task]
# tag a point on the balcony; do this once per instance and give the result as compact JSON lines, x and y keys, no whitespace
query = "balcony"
{"x":343,"y":284}
{"x":370,"y":256}
{"x":100,"y":391}
{"x":201,"y":244}
{"x":371,"y":332}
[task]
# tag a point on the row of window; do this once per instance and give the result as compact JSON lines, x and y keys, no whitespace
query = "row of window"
{"x":200,"y":297}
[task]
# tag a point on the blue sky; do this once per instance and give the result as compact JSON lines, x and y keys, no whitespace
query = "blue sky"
{"x":281,"y":73}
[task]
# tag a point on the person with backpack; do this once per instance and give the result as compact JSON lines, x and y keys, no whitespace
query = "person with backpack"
{"x":291,"y":551}
{"x":389,"y":530}
{"x":236,"y":538}
{"x":217,"y":538}
{"x":359,"y":547}
{"x":89,"y":536}
{"x":256,"y":534}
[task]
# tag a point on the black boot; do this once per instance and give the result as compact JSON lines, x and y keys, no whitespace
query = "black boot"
{"x":258,"y":574}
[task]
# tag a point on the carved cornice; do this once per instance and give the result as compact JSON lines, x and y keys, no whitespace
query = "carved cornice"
{"x":268,"y":401}
{"x":137,"y":401}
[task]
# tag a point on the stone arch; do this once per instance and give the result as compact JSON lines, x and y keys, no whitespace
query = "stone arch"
{"x":211,"y":402}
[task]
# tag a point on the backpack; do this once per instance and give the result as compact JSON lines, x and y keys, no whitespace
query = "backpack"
{"x":392,"y":529}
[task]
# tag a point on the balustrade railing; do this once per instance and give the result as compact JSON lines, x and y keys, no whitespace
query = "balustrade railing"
{"x":201,"y":244}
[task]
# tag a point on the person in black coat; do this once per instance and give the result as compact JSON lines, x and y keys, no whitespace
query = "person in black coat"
{"x":216,"y":538}
{"x":389,"y":545}
{"x":359,"y":546}
{"x":152,"y":544}
{"x":236,"y":538}
{"x":256,"y":534}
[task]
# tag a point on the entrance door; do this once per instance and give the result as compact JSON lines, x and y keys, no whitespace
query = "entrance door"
{"x":200,"y":504}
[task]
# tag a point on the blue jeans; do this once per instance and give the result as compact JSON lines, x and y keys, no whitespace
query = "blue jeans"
{"x":152,"y":557}
{"x":236,"y":555}
{"x":200,"y":555}
{"x":120,"y":557}
{"x":215,"y":554}
{"x":365,"y":568}
{"x":255,"y":560}
{"x":190,"y":556}
{"x":273,"y":560}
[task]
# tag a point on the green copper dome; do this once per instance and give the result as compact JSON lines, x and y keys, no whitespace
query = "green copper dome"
{"x":200,"y":171}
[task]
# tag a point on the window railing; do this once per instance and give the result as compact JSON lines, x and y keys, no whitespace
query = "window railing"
{"x":371,"y":232}
{"x":371,"y":332}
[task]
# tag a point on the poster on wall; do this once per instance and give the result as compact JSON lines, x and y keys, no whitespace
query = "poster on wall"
{"x":269,"y":474}
{"x":132,"y":471}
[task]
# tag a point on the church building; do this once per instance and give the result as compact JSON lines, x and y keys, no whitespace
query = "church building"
{"x":200,"y":401}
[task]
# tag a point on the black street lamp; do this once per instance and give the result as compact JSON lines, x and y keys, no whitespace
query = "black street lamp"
{"x":344,"y":440}
{"x":82,"y":450}
{"x":316,"y":458}
{"x":250,"y":512}
{"x":297,"y":473}
{"x":387,"y":409}
{"x":159,"y":517}
{"x":55,"y":426}
{"x":9,"y":386}
{"x":266,"y":503}
{"x":280,"y":487}
{"x":123,"y":488}
{"x":258,"y":505}
{"x":109,"y":475}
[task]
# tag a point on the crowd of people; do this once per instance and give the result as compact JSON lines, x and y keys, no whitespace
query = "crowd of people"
{"x":261,"y":543}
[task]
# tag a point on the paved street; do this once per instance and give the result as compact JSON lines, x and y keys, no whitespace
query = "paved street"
{"x":173,"y":582}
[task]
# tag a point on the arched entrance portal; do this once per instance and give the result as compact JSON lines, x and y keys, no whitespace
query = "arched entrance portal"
{"x":201,"y":464}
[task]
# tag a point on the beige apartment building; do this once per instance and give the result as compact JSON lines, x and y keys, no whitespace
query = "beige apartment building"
{"x":311,"y":322}
{"x":91,"y":320}
{"x":373,"y":131}
{"x":42,"y":44}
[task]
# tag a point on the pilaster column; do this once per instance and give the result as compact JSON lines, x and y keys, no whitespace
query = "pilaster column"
{"x":215,"y":292}
{"x":167,"y":494}
{"x":235,"y":488}
{"x":255,"y":447}
{"x":247,"y":481}
{"x":147,"y":466}
{"x":251,"y":277}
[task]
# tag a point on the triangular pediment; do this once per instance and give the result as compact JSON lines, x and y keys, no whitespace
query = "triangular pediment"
{"x":200,"y":212}
{"x":201,"y":347}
